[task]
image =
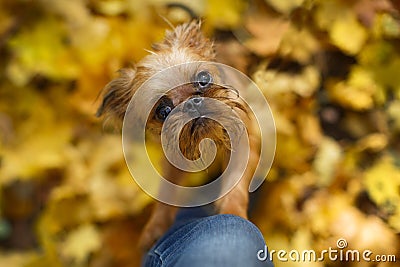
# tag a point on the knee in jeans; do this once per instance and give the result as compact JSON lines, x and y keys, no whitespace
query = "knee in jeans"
{"x":234,"y":228}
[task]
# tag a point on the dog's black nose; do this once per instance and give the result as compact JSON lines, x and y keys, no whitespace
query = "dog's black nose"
{"x":193,"y":105}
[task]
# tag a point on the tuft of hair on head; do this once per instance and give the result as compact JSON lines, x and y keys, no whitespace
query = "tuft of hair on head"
{"x":187,"y":36}
{"x":116,"y":96}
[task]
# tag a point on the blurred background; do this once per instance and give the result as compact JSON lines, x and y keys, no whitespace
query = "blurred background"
{"x":330,"y":70}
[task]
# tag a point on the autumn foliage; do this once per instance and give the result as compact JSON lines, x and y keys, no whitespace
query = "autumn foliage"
{"x":330,"y":70}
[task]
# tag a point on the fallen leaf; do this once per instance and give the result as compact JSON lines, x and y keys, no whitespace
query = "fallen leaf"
{"x":357,"y":92}
{"x":260,"y":43}
{"x":327,"y":161}
{"x":382,"y":182}
{"x":80,"y":243}
{"x":348,"y":34}
{"x":285,"y":7}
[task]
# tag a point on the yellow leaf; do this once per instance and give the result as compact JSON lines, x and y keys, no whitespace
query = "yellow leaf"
{"x":283,"y":124}
{"x":224,"y":14}
{"x":292,"y":154}
{"x":325,"y":207}
{"x":328,"y":11}
{"x":357,"y":92}
{"x":348,"y":34}
{"x":261,"y":43}
{"x":303,"y":51}
{"x":394,"y":114}
{"x":38,"y":152}
{"x":394,"y":220}
{"x":373,"y":142}
{"x":111,"y":7}
{"x":41,"y":50}
{"x":382,"y":182}
{"x":80,"y":243}
{"x":376,"y":53}
{"x":386,"y":26}
{"x":15,"y":258}
{"x":286,"y":6}
{"x":309,"y":127}
{"x":326,"y":160}
{"x":274,"y":83}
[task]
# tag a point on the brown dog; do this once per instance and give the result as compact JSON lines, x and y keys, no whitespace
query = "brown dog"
{"x":184,"y":44}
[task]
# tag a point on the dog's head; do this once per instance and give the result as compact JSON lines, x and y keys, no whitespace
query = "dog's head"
{"x":187,"y":84}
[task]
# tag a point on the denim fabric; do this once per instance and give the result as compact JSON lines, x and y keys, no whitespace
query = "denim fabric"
{"x":200,"y":239}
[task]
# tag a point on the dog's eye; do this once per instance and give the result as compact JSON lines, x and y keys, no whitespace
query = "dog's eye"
{"x":203,"y":80}
{"x":163,"y":110}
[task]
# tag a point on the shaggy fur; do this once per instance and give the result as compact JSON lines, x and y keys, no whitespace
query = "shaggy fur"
{"x":184,"y":44}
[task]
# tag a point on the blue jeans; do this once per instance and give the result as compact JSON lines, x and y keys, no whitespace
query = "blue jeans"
{"x":198,"y":239}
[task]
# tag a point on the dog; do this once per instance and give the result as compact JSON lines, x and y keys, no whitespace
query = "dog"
{"x":185,"y":43}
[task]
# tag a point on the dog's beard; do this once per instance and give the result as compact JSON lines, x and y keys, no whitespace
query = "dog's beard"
{"x":199,"y":129}
{"x":194,"y":129}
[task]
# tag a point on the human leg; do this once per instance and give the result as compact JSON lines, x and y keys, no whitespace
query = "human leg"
{"x":219,"y":240}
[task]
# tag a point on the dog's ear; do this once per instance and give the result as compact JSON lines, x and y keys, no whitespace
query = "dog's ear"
{"x":116,"y":96}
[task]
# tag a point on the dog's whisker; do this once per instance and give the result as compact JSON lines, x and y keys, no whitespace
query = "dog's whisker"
{"x":151,"y":52}
{"x":234,"y":90}
{"x":168,"y":22}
